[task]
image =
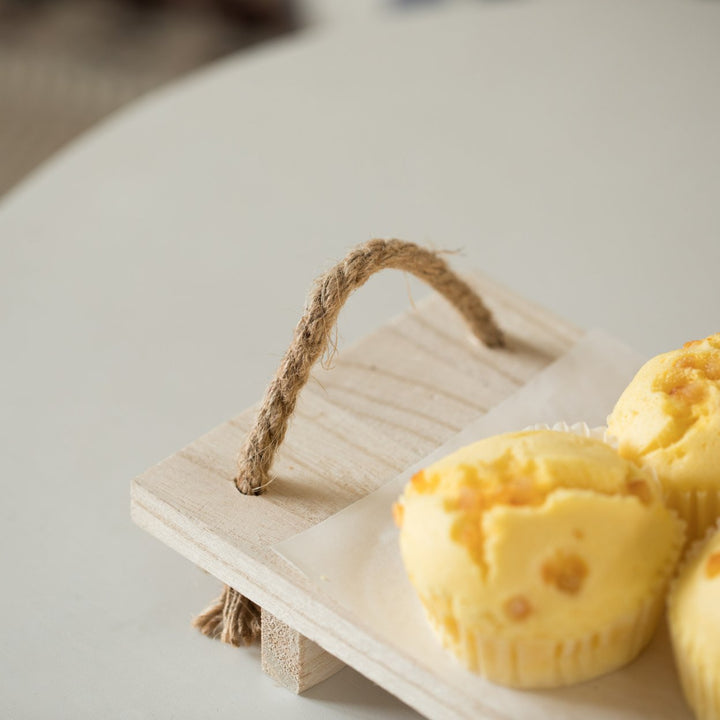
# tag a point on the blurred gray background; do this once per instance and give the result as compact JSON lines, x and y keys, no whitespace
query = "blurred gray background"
{"x":65,"y":64}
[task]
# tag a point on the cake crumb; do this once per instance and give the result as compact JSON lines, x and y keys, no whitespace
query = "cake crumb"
{"x":518,"y":607}
{"x":566,"y":571}
{"x":712,"y":569}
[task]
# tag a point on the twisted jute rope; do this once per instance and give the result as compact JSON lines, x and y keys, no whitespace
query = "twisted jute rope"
{"x":233,"y":618}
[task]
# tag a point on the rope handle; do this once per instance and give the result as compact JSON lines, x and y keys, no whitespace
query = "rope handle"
{"x":313,"y":332}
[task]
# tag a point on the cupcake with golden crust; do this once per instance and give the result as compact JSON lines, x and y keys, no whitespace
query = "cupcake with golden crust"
{"x":541,"y":557}
{"x":668,"y":418}
{"x":694,"y":618}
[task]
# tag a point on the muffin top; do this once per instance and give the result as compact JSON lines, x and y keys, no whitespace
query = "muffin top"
{"x":535,"y":532}
{"x":669,"y":416}
{"x":694,"y":602}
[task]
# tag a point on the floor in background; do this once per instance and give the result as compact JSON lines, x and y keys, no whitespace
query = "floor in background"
{"x":65,"y":64}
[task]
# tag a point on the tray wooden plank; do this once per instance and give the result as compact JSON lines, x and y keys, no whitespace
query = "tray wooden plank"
{"x":292,"y":659}
{"x":388,"y":401}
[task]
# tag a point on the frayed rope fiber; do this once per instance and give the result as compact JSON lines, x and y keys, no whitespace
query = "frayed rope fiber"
{"x":233,"y":618}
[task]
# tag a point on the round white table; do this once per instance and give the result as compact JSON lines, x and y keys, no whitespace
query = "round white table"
{"x":151,"y":275}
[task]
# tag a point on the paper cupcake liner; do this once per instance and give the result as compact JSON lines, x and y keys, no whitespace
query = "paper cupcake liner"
{"x":700,"y":679}
{"x":579,"y":428}
{"x":699,"y":508}
{"x":534,"y":663}
{"x":537,"y":662}
{"x":700,"y":683}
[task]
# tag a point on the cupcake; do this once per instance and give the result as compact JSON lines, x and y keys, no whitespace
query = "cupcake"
{"x":540,"y":557}
{"x":668,"y":418}
{"x":694,"y":618}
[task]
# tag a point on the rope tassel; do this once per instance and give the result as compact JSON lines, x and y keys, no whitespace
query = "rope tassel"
{"x":233,"y":618}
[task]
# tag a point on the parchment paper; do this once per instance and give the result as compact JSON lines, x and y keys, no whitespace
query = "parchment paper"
{"x":353,"y":556}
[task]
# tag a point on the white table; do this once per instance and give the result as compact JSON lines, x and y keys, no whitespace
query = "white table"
{"x":151,"y":274}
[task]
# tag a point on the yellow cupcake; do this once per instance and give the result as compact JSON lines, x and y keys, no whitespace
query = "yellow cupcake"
{"x":694,"y":616}
{"x":669,"y":418}
{"x":540,"y":557}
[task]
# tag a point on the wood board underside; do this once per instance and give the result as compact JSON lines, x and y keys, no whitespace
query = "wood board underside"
{"x":387,"y":402}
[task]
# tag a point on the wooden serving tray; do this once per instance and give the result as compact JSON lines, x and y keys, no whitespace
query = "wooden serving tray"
{"x":387,"y":402}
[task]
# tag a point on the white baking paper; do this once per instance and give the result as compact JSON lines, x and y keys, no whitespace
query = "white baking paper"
{"x":354,"y":558}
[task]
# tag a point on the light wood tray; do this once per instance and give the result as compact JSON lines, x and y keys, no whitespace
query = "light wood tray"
{"x":388,"y":401}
